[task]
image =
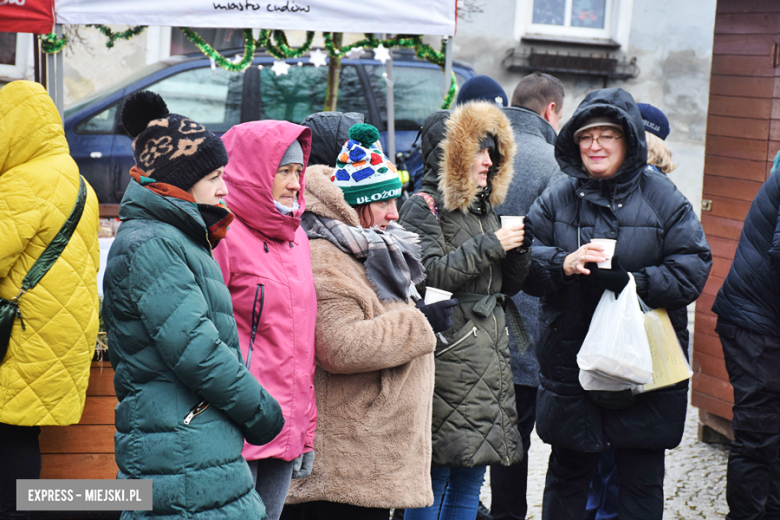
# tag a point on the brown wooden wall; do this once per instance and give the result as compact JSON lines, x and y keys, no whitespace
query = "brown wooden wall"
{"x":743,"y":137}
{"x":86,"y":449}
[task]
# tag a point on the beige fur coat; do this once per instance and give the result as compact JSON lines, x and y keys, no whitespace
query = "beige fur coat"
{"x":374,"y":380}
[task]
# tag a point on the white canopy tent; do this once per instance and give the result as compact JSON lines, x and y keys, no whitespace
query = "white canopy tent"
{"x":428,"y":17}
{"x":436,"y":17}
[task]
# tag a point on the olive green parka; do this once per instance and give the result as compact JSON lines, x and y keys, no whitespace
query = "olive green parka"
{"x":474,"y":415}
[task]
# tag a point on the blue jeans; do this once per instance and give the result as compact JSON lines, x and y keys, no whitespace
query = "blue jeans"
{"x":455,"y":495}
{"x":603,"y":497}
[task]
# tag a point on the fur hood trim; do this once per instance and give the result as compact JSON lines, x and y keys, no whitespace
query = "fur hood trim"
{"x":466,"y":127}
{"x":325,"y":198}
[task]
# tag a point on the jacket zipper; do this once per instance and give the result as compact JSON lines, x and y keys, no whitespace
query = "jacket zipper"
{"x":256,"y":314}
{"x":495,"y":328}
{"x":490,"y":282}
{"x":473,"y":332}
{"x":501,"y":413}
{"x":196,"y":411}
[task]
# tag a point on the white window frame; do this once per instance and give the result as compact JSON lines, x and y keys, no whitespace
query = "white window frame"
{"x":24,"y":57}
{"x":617,"y":23}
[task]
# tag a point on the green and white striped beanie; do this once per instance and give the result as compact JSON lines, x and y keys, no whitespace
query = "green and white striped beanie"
{"x":363,"y":172}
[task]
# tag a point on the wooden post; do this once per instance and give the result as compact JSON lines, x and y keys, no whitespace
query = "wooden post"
{"x":334,"y":72}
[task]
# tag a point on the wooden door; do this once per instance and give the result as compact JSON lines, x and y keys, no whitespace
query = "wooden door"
{"x":743,"y":136}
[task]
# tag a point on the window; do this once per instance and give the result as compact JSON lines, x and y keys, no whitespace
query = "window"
{"x":574,"y":19}
{"x":14,"y":50}
{"x":300,"y":92}
{"x":7,"y":48}
{"x":570,"y":13}
{"x":417,"y":91}
{"x":100,"y":123}
{"x":212,"y":98}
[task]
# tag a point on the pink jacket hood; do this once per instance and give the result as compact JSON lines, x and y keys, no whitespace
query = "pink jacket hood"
{"x":266,"y":263}
{"x":255,"y":150}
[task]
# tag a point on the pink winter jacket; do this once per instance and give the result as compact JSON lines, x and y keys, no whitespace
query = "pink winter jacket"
{"x":266,"y":263}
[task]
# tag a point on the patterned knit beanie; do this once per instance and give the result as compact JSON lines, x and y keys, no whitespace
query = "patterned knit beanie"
{"x":170,"y":148}
{"x":363,"y":172}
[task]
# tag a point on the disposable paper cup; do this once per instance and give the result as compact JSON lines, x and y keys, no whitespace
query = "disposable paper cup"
{"x":609,"y":251}
{"x":508,"y":220}
{"x":433,"y":295}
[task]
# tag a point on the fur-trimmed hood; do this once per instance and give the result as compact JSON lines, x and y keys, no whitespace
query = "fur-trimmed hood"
{"x":326,"y":199}
{"x":455,"y":138}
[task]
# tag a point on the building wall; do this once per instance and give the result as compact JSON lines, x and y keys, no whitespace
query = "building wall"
{"x":671,"y":40}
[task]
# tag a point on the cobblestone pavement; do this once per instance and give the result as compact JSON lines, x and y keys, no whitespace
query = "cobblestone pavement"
{"x":694,"y":485}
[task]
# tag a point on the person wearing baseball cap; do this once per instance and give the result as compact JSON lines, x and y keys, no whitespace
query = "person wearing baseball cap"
{"x":656,"y":131}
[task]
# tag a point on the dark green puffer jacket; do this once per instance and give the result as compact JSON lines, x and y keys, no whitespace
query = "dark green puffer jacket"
{"x":474,"y":414}
{"x":174,"y":344}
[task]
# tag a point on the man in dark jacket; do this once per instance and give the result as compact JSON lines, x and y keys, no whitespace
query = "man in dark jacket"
{"x":608,"y":192}
{"x":537,"y":103}
{"x":748,"y":309}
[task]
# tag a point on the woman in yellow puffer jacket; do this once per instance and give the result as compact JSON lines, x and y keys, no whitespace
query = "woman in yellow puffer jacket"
{"x":44,"y":374}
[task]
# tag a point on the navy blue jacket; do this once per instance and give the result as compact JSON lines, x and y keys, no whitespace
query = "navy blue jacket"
{"x":659,"y":239}
{"x":750,"y":295}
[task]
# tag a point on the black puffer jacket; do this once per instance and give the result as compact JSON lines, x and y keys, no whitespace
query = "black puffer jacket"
{"x":659,"y":240}
{"x":474,"y":415}
{"x":750,"y":296}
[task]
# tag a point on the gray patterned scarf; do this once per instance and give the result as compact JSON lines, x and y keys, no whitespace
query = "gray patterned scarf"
{"x":391,"y":257}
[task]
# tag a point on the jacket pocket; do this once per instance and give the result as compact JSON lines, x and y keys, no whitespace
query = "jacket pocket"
{"x":468,"y":332}
{"x":257,"y":312}
{"x":196,"y":411}
{"x":726,"y":329}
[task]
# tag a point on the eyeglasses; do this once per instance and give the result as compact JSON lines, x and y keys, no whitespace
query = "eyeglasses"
{"x":603,"y":140}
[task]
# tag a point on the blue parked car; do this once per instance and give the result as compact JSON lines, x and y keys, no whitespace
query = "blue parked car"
{"x":220,"y":99}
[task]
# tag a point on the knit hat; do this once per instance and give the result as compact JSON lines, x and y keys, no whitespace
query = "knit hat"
{"x":482,"y":88}
{"x":593,"y":123}
{"x":293,"y":155}
{"x":654,"y":120}
{"x":170,"y":148}
{"x":363,"y":172}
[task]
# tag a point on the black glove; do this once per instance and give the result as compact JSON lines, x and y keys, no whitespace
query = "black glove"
{"x":614,"y":279}
{"x":528,"y":236}
{"x":439,"y":314}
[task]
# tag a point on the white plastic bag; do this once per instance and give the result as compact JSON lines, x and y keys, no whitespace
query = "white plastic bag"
{"x":616,"y":347}
{"x":596,"y":381}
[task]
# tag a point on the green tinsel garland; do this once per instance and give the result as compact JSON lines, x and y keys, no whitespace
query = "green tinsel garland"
{"x":112,"y":36}
{"x":50,"y":44}
{"x":450,"y":96}
{"x":275,"y":42}
{"x":208,"y":50}
{"x":283,"y":50}
{"x":422,"y":50}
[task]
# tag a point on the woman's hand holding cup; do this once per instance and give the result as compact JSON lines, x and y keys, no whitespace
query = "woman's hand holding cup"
{"x":512,"y":236}
{"x":575,"y":262}
{"x":512,"y":232}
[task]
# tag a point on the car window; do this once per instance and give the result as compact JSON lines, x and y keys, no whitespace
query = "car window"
{"x":212,"y":98}
{"x":116,"y":87}
{"x":418,"y":92}
{"x":300,"y":92}
{"x":100,"y":123}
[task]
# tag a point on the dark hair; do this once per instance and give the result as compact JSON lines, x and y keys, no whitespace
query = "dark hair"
{"x":538,"y":90}
{"x":365,"y":214}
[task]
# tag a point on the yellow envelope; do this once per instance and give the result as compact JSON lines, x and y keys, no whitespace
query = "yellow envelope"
{"x":669,"y":363}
